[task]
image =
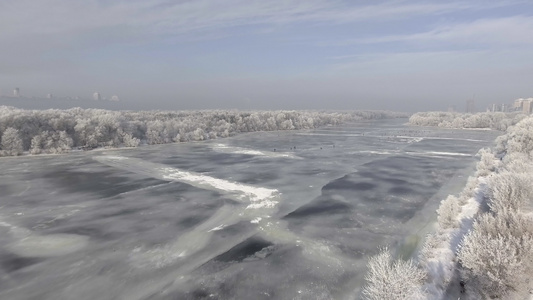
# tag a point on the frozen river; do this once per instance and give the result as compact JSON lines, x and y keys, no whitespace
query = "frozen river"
{"x":266,"y":215}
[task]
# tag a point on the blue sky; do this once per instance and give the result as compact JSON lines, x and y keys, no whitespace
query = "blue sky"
{"x":248,"y":54}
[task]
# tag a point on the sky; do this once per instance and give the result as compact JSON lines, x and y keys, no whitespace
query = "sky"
{"x":270,"y":54}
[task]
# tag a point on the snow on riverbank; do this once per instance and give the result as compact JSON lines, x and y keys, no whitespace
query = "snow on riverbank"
{"x":483,"y":245}
{"x":438,"y":254}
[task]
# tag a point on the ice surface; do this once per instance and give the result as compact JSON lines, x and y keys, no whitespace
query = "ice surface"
{"x":193,"y":221}
{"x":48,"y":245}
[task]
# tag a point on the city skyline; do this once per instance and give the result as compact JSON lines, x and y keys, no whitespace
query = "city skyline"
{"x":16,"y":93}
{"x":509,"y":105}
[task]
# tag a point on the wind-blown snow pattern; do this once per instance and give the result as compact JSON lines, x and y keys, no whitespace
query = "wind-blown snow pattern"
{"x":258,"y":197}
{"x":192,"y":244}
{"x":259,"y":201}
{"x":438,"y":154}
{"x":261,"y":153}
{"x":29,"y":243}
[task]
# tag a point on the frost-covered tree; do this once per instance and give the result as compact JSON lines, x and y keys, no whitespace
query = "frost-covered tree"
{"x":85,"y":133}
{"x":130,"y":141}
{"x":448,"y":211}
{"x":497,"y":256}
{"x":493,"y":120}
{"x":11,"y":142}
{"x":510,"y":191}
{"x":469,"y":189}
{"x":520,"y":138}
{"x":36,"y":145}
{"x":92,"y":128}
{"x":393,"y":279}
{"x":517,"y":163}
{"x":51,"y":142}
{"x":487,"y":163}
{"x":154,"y":132}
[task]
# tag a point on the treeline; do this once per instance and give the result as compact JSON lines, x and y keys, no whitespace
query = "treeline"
{"x":58,"y":131}
{"x":484,"y":241}
{"x":493,"y":120}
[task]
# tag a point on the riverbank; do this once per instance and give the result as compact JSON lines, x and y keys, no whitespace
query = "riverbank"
{"x":483,"y":242}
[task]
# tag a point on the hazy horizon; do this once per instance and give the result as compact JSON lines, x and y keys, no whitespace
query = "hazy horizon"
{"x":157,"y":54}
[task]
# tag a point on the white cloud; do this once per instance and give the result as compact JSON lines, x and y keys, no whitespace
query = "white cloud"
{"x":49,"y":17}
{"x":507,"y":31}
{"x":425,"y":62}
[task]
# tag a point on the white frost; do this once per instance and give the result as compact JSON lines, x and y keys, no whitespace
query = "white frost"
{"x":438,"y":153}
{"x":259,"y":196}
{"x":48,"y":245}
{"x":240,"y":150}
{"x":219,"y":227}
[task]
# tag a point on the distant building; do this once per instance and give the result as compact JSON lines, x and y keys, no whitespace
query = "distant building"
{"x":49,"y":96}
{"x":526,"y":106}
{"x":16,"y":92}
{"x":470,"y":106}
{"x":497,"y":107}
{"x":96,"y":96}
{"x":523,"y":105}
{"x":114,"y":98}
{"x":517,"y":105}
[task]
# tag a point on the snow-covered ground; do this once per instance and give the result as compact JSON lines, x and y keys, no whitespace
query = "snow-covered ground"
{"x":268,"y":215}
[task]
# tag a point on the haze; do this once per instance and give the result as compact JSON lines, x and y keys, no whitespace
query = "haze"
{"x":245,"y":54}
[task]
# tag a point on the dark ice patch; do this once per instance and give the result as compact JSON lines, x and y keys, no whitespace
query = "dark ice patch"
{"x":8,"y":190}
{"x":11,"y":263}
{"x":257,"y":178}
{"x":179,"y":163}
{"x":90,"y":231}
{"x":401,"y":213}
{"x":243,"y":250}
{"x":191,"y":221}
{"x":394,"y":188}
{"x":122,"y":212}
{"x":104,"y":183}
{"x":320,"y":206}
{"x":401,"y":190}
{"x":200,"y":294}
{"x":395,"y":181}
{"x":229,"y":158}
{"x":346,"y":183}
{"x":363,"y":186}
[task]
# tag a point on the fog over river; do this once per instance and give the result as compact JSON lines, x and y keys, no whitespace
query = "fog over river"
{"x":264,"y":215}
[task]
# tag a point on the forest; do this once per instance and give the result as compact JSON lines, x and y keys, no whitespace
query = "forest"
{"x":59,"y":131}
{"x":489,"y":120}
